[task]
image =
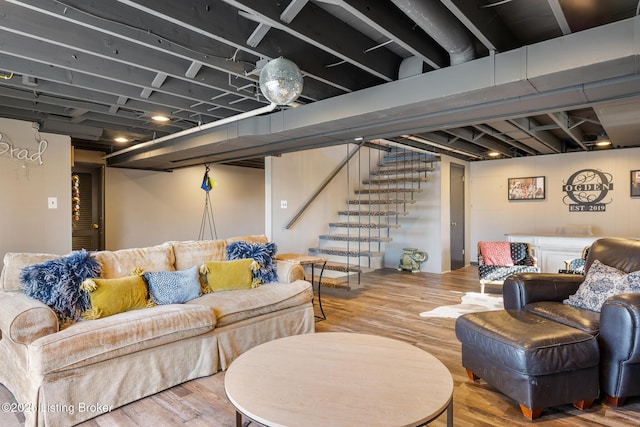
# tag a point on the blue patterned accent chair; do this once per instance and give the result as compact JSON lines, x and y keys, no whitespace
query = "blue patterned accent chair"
{"x":576,"y":265}
{"x":522,"y":261}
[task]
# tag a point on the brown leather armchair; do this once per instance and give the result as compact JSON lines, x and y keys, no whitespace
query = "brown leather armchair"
{"x":616,"y":327}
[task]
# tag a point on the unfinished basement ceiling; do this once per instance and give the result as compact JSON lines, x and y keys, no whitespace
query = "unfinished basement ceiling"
{"x":461,"y":77}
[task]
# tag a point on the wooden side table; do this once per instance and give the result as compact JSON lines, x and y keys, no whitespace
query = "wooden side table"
{"x":312,"y":261}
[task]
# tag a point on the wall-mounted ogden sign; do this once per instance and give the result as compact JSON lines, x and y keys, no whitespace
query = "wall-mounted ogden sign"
{"x":587,"y":190}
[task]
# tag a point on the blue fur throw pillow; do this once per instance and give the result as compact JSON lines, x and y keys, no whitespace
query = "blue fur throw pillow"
{"x":262,"y":253}
{"x":56,"y":283}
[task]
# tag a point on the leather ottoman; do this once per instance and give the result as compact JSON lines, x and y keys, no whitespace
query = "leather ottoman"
{"x":536,"y":362}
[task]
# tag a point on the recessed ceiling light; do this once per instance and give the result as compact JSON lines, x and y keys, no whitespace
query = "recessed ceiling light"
{"x":160,"y":118}
{"x":121,"y":139}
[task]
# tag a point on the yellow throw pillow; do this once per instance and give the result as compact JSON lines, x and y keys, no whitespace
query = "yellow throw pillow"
{"x":112,"y":296}
{"x":229,"y":275}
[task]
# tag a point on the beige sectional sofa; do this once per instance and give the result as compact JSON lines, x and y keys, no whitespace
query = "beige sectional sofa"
{"x":63,"y":377}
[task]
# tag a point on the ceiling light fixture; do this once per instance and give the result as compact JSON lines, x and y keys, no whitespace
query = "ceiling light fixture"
{"x":159,"y":118}
{"x":493,"y":154}
{"x":280,"y":82}
{"x":121,"y":139}
{"x":603,"y":140}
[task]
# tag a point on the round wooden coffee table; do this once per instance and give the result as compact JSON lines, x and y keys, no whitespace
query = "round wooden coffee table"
{"x":339,"y":379}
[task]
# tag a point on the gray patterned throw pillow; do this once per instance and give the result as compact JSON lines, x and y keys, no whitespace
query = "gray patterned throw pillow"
{"x":601,"y":283}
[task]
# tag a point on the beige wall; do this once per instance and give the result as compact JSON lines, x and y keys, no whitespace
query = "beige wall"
{"x":493,"y":216}
{"x":295,"y":176}
{"x":145,"y":208}
{"x":26,"y":222}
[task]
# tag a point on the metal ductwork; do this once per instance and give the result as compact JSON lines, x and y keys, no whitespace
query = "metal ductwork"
{"x":442,"y":26}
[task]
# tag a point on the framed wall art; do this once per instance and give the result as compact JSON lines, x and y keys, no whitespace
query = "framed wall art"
{"x":528,"y":188}
{"x":635,"y":183}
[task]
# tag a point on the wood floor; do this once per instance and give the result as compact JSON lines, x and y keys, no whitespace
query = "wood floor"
{"x":388,"y":305}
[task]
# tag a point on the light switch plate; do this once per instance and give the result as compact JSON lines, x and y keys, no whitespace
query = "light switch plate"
{"x":283,"y":204}
{"x":52,"y":203}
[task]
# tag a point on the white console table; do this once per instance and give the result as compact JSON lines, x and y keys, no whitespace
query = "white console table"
{"x":552,"y":250}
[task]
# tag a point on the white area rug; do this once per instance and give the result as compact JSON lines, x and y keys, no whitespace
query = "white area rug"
{"x":471,"y":302}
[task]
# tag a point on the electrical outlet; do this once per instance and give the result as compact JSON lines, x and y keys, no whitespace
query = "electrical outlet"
{"x":52,"y":203}
{"x":283,"y":204}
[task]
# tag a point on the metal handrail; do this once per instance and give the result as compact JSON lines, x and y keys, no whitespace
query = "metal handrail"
{"x":322,"y":186}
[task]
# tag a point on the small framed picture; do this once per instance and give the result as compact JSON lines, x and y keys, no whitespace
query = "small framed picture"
{"x":635,"y":183}
{"x":529,"y":188}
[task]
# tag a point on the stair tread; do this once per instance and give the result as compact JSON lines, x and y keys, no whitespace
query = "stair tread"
{"x":386,"y":181}
{"x":404,"y":154}
{"x":352,"y":237}
{"x":345,"y":252}
{"x":341,"y":266}
{"x":404,"y":161}
{"x":363,"y":225}
{"x":373,"y":213}
{"x":326,"y":281}
{"x":377,"y":201}
{"x":336,"y":282}
{"x":400,"y":171}
{"x":388,"y":190}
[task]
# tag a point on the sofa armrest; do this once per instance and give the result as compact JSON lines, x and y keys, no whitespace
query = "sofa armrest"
{"x":289,"y":271}
{"x":521,"y":289}
{"x":619,"y":342}
{"x":620,"y":328}
{"x":24,"y":319}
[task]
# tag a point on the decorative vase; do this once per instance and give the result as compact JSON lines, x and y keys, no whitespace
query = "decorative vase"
{"x":411,"y":260}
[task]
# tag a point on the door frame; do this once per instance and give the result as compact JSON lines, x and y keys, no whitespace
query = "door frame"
{"x":457,"y":221}
{"x":97,"y":172}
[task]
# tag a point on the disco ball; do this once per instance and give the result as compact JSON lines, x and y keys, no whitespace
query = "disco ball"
{"x":281,"y":81}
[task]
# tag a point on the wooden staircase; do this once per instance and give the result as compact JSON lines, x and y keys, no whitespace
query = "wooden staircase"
{"x":355,"y":243}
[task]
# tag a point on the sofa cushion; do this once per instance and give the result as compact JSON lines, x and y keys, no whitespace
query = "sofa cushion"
{"x":193,"y":252}
{"x":253,"y":238}
{"x":229,"y":275}
{"x":88,"y":342}
{"x":113,"y":296}
{"x":56,"y":283}
{"x":124,"y":262}
{"x":262,"y":253}
{"x":13,"y":263}
{"x":600,"y":283}
{"x":580,"y":318}
{"x":173,"y":287}
{"x":234,"y":306}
